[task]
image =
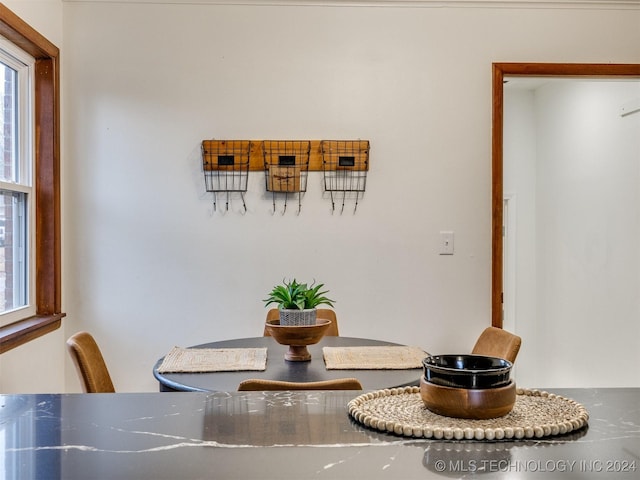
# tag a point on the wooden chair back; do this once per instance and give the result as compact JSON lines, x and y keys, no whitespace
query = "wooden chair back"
{"x":89,"y":364}
{"x":259,"y":384}
{"x":496,"y":342}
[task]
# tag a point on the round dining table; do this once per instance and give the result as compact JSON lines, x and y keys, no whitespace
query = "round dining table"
{"x":278,"y":368}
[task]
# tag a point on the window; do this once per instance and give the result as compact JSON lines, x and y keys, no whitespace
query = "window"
{"x":16,"y":167}
{"x":32,"y":291}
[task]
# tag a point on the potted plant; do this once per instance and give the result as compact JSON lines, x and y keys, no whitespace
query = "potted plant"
{"x":297,"y":302}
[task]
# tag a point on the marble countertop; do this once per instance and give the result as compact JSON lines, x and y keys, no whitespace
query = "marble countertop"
{"x":288,"y":435}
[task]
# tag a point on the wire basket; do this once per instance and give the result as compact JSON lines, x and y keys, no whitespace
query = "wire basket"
{"x":286,"y":165}
{"x":226,"y":166}
{"x":345,"y":164}
{"x":286,"y":168}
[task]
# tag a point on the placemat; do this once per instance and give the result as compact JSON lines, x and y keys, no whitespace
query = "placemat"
{"x":401,"y":411}
{"x":373,"y":358}
{"x":213,"y":360}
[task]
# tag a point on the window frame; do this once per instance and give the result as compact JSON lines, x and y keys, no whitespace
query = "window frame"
{"x":46,"y":100}
{"x":23,"y":181}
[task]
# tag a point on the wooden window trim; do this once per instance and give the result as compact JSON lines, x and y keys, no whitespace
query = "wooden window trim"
{"x":47,"y":185}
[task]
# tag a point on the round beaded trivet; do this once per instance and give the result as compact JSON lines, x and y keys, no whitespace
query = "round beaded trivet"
{"x":401,"y":411}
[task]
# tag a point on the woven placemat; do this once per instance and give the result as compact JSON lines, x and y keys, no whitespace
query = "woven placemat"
{"x":401,"y":411}
{"x":373,"y":358}
{"x":181,"y":360}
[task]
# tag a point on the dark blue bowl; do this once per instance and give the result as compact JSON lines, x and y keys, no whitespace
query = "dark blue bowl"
{"x":467,"y":371}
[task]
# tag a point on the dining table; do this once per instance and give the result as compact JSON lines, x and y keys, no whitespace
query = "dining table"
{"x":296,"y":435}
{"x":277,"y":368}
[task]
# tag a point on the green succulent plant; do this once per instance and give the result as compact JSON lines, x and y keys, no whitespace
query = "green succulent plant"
{"x":293,"y":295}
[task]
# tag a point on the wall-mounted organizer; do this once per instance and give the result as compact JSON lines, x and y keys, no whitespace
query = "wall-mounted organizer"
{"x":345,"y":164}
{"x":226,"y":167}
{"x":286,"y":166}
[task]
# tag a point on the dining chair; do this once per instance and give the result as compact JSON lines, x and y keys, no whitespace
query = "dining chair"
{"x":496,"y":342}
{"x":332,"y":331}
{"x":259,"y":384}
{"x":89,"y":364}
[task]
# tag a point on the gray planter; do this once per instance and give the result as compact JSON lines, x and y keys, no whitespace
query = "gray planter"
{"x":298,"y":317}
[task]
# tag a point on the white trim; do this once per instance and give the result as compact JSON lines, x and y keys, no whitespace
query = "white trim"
{"x":528,"y":4}
{"x":509,"y":271}
{"x":509,"y":262}
{"x":14,"y":187}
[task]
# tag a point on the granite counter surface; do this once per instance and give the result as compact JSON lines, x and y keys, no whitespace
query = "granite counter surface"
{"x":288,"y":435}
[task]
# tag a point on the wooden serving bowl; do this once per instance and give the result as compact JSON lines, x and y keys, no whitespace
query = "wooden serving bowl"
{"x":297,"y":337}
{"x":475,"y":403}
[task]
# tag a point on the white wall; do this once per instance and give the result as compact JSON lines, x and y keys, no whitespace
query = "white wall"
{"x":588,"y":233}
{"x":577,"y":249}
{"x":148,"y":265}
{"x":519,"y":245}
{"x":153,"y":260}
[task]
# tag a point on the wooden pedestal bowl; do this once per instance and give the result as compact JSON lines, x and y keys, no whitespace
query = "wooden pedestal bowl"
{"x":297,"y":337}
{"x":475,"y":403}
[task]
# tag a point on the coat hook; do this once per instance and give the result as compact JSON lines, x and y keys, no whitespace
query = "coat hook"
{"x":244,"y":205}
